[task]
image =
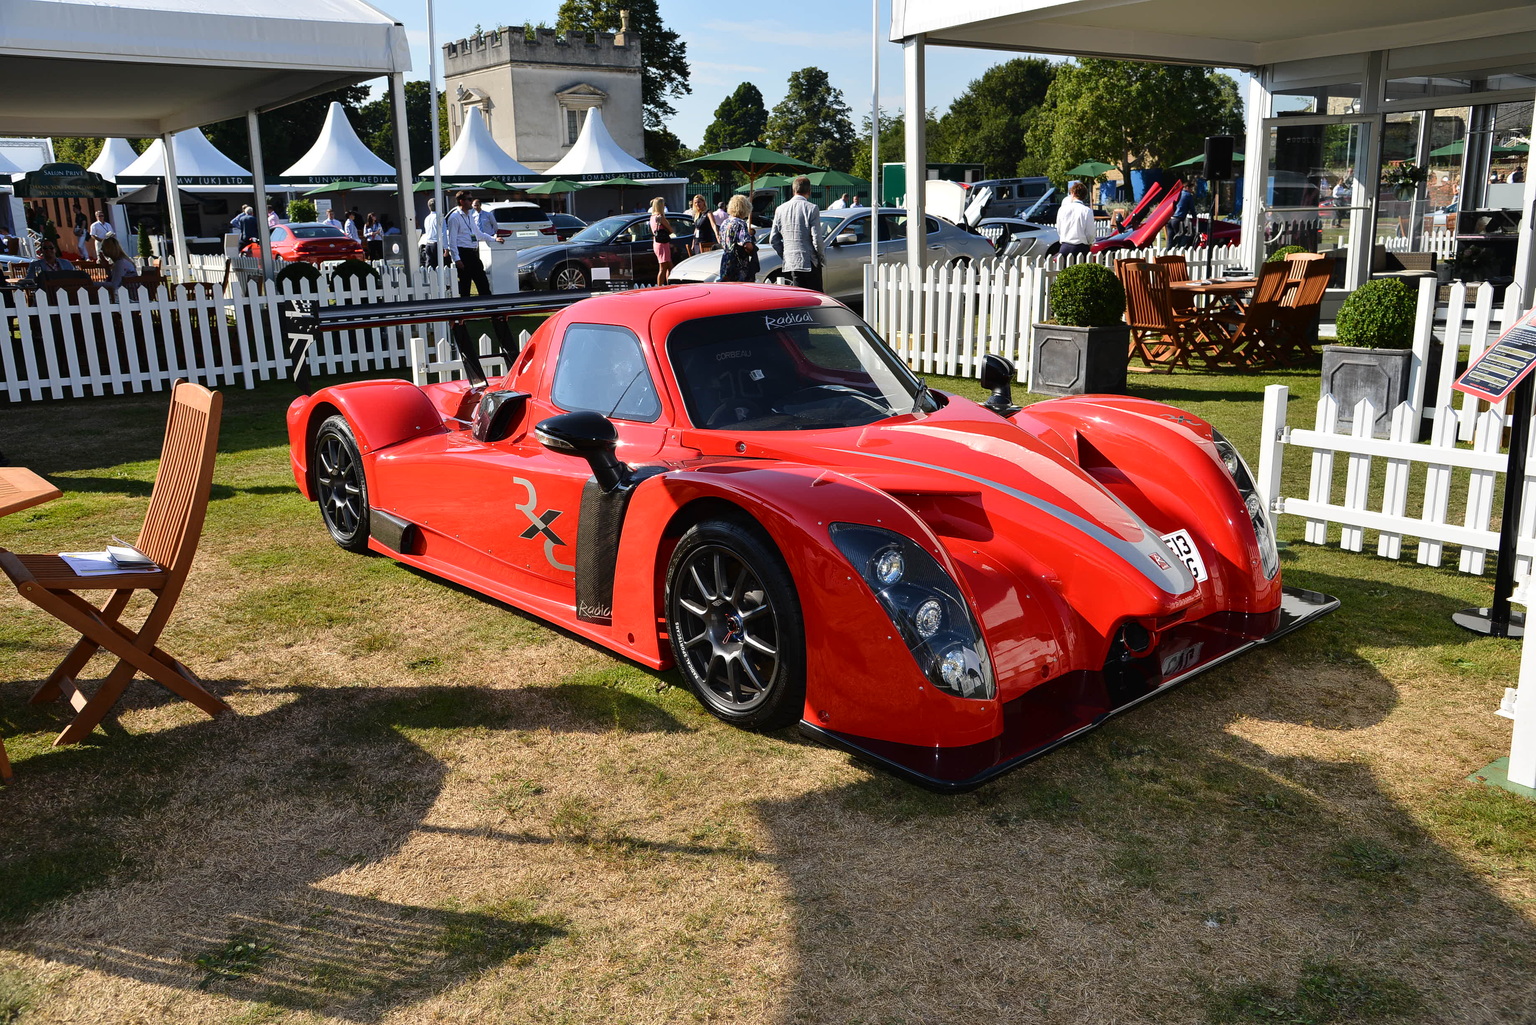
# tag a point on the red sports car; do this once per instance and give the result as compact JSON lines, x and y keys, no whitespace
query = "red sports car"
{"x":743,"y":481}
{"x":311,"y":243}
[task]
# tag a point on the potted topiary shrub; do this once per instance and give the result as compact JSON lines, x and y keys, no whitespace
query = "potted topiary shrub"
{"x":1374,"y":357}
{"x":1084,"y":348}
{"x":1280,"y":254}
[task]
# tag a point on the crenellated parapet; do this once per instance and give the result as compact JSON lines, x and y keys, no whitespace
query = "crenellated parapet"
{"x":523,"y":45}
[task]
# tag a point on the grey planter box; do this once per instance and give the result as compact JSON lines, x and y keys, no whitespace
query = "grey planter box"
{"x":1381,"y":375}
{"x":1079,"y":360}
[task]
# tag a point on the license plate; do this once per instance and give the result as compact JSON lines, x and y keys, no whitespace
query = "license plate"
{"x":1183,"y":548}
{"x":1180,"y":660}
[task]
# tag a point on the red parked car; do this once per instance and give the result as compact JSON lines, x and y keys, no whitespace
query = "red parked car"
{"x":310,"y":243}
{"x":744,"y":482}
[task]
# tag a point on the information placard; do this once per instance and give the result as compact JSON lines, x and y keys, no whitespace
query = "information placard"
{"x":1504,"y":364}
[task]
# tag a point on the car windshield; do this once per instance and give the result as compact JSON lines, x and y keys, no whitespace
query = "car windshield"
{"x":319,"y":231}
{"x":788,"y":370}
{"x":601,"y":231}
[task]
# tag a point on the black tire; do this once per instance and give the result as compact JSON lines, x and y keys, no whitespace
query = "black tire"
{"x":736,"y":627}
{"x":570,"y":277}
{"x":340,"y":486}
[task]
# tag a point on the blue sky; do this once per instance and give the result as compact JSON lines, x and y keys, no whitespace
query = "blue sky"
{"x":728,"y":46}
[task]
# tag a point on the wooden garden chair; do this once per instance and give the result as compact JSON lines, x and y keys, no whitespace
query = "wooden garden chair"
{"x":1251,"y":335}
{"x":172,"y":526}
{"x":1300,"y":307}
{"x":1161,"y":337}
{"x":1178,"y":270}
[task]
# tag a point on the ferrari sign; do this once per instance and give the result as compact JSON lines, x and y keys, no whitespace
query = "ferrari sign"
{"x":1504,"y":364}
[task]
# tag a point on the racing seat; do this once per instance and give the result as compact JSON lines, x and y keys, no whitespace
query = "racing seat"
{"x":745,"y":381}
{"x":172,"y":526}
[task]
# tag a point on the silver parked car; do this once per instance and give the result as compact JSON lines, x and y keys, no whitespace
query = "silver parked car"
{"x":848,"y":250}
{"x":1013,"y":237}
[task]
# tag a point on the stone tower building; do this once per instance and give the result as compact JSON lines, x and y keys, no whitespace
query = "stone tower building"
{"x":534,"y":88}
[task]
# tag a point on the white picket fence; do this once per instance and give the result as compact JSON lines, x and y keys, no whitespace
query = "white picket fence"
{"x":1439,"y":241}
{"x":946,"y":318}
{"x":106,"y":344}
{"x":435,"y":361}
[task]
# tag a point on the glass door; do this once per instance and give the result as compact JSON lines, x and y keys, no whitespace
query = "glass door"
{"x":1314,"y":193}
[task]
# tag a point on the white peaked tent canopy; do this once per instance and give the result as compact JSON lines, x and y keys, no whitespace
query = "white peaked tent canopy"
{"x":195,"y":156}
{"x":338,"y":153}
{"x":117,"y":154}
{"x":476,"y":155}
{"x":7,"y":167}
{"x":595,"y":152}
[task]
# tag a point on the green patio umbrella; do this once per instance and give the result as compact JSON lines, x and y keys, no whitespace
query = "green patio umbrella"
{"x":621,"y":183}
{"x":424,"y":187}
{"x":1091,"y":168}
{"x":1199,"y":159}
{"x":1457,"y":148}
{"x":837,"y":180}
{"x":767,"y":181}
{"x":340,"y":186}
{"x":495,"y":186}
{"x":750,"y":161}
{"x":556,"y":185}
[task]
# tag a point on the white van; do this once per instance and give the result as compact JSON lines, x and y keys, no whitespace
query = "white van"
{"x":522,"y":225}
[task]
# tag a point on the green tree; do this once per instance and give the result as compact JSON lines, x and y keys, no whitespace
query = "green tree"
{"x":664,"y":67}
{"x":893,"y":141}
{"x":812,"y":123}
{"x":990,"y":122}
{"x":1135,"y":115}
{"x":72,"y":149}
{"x":739,"y":120}
{"x":375,"y":124}
{"x":663,"y":149}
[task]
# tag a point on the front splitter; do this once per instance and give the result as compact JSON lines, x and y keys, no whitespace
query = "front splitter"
{"x":1068,"y":706}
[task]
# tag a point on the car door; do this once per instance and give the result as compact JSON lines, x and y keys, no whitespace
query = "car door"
{"x":844,"y":272}
{"x":599,"y":368}
{"x":633,"y":251}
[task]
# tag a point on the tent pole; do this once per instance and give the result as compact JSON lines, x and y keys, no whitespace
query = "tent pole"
{"x":259,"y":176}
{"x":437,"y":145}
{"x":173,"y":206}
{"x":403,"y":174}
{"x":917,"y":151}
{"x":1525,"y":259}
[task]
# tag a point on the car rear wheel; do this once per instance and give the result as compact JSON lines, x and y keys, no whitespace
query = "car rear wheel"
{"x":570,"y":277}
{"x":735,"y":624}
{"x":340,"y":486}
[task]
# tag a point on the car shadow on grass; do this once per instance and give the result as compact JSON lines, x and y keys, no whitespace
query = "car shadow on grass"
{"x":268,"y":811}
{"x":1226,"y":853}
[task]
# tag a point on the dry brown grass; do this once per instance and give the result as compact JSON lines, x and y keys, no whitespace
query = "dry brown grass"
{"x":430,"y":808}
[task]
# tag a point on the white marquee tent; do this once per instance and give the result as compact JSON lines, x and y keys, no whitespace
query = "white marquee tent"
{"x":338,"y":152}
{"x":596,"y":155}
{"x":155,"y":67}
{"x":117,"y":154}
{"x":476,"y":155}
{"x":195,"y":158}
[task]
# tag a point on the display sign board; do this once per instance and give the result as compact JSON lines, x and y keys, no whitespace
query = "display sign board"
{"x":1504,"y":364}
{"x":63,"y":181}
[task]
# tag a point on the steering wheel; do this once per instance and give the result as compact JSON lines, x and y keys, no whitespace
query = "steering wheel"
{"x":822,"y":392}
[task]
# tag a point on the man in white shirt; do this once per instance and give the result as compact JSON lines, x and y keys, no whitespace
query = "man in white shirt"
{"x":486,"y":218}
{"x":432,"y":237}
{"x":1074,"y":221}
{"x":330,"y":218}
{"x":840,"y":203}
{"x":100,"y":230}
{"x":463,"y":229}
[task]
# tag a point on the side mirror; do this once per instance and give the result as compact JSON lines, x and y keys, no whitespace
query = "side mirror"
{"x":847,"y":238}
{"x":997,"y":375}
{"x":591,"y":436}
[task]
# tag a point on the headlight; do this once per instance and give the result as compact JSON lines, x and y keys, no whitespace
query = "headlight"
{"x":1258,"y":516}
{"x":924,"y":604}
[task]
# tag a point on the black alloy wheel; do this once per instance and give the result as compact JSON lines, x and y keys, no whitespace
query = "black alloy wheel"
{"x":735,"y":624}
{"x":340,"y":487}
{"x":570,"y":277}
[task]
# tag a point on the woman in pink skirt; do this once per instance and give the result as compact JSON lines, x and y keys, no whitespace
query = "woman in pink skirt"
{"x":661,"y":239}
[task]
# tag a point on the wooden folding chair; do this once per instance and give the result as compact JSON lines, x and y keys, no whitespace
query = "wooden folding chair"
{"x":1178,"y":270}
{"x":1251,"y":339}
{"x":172,"y":526}
{"x":1159,"y":336}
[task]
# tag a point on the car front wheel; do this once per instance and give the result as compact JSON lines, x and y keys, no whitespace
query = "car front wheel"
{"x":569,"y":278}
{"x":735,"y":624}
{"x":340,"y":487}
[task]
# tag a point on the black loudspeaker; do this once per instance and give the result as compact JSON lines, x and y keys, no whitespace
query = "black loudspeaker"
{"x":1218,"y":158}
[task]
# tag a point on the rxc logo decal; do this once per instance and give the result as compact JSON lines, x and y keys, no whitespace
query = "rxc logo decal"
{"x":788,"y":320}
{"x":539,"y":523}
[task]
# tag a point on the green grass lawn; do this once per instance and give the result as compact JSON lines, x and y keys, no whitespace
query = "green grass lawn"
{"x":432,"y":808}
